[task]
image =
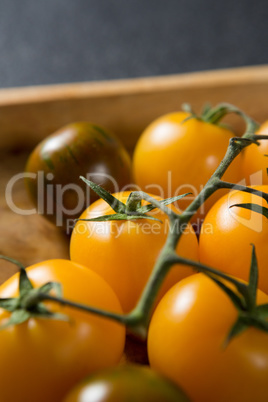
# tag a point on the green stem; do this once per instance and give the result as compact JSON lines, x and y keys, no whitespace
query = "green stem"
{"x":175,"y":259}
{"x":147,"y":300}
{"x":258,"y":137}
{"x":214,"y":115}
{"x":234,"y":148}
{"x":122,"y":319}
{"x":138,"y":319}
{"x":164,"y":262}
{"x":133,"y":320}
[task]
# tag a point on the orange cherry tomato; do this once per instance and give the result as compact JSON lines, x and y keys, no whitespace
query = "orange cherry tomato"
{"x":174,"y":156}
{"x":41,"y":359}
{"x":186,"y":344}
{"x":124,"y":252}
{"x":255,"y":160}
{"x":227,"y":234}
{"x":125,"y":384}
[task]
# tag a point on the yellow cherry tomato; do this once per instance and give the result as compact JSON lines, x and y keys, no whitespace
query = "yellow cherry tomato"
{"x":124,"y":252}
{"x":186,"y":344}
{"x":227,"y":234}
{"x":255,"y":160}
{"x":41,"y":359}
{"x":174,"y":156}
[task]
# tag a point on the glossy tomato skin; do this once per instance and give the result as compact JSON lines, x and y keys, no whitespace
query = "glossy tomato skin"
{"x":124,"y":252}
{"x":124,"y":384}
{"x":174,"y":157}
{"x":42,"y":359}
{"x":255,"y":161}
{"x":227,"y":234}
{"x":186,"y":338}
{"x":78,"y":149}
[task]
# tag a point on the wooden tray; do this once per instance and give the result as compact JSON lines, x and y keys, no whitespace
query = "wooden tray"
{"x":125,"y":107}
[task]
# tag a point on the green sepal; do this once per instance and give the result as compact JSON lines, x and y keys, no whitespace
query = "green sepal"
{"x":114,"y":203}
{"x":147,"y":208}
{"x":206,"y":108}
{"x":42,"y":312}
{"x":40,"y":309}
{"x":47,"y":287}
{"x":29,"y":300}
{"x":237,"y":328}
{"x":24,"y":282}
{"x":257,"y":322}
{"x":17,"y":317}
{"x":253,"y":207}
{"x":250,"y":315}
{"x":262,"y":311}
{"x":244,"y":321}
{"x":187,"y":107}
{"x":53,"y":316}
{"x":237,"y":301}
{"x":21,"y":315}
{"x":9,"y":304}
{"x":253,"y":278}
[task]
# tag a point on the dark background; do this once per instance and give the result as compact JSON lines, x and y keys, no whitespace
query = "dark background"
{"x":56,"y":41}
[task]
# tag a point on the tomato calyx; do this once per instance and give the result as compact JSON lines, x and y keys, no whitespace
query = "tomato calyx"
{"x":249,"y":313}
{"x":214,"y":115}
{"x":129,"y":211}
{"x":27,"y":305}
{"x":244,"y":297}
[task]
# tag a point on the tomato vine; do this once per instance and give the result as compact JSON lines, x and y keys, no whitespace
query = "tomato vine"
{"x":138,"y":319}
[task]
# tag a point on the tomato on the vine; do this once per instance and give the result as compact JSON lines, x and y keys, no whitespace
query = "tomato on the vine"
{"x":124,"y":252}
{"x":41,"y":359}
{"x":54,"y":167}
{"x":174,"y":155}
{"x":228,"y":232}
{"x":126,"y":383}
{"x":186,"y":343}
{"x":255,"y":160}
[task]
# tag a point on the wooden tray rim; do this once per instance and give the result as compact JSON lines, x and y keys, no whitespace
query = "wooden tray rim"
{"x":211,"y":78}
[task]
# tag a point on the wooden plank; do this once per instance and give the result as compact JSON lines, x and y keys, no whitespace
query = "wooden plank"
{"x":125,"y":106}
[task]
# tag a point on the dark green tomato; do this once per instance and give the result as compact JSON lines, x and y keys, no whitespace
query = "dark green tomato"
{"x":128,"y":383}
{"x":78,"y":149}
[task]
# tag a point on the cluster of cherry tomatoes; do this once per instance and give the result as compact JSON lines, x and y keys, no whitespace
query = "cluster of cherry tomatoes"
{"x":111,"y":261}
